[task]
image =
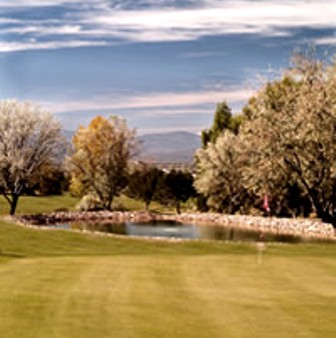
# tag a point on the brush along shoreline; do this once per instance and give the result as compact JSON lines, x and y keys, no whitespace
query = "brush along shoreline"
{"x":302,"y":227}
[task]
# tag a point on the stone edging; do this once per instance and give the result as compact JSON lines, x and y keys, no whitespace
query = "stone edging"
{"x":287,"y":226}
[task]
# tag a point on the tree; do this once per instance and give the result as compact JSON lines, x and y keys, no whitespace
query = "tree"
{"x":219,"y":176}
{"x":290,"y":136}
{"x":285,"y":148}
{"x":30,"y":139}
{"x":175,"y":187}
{"x":223,"y":120}
{"x":102,"y":153}
{"x":143,"y":183}
{"x":51,"y":180}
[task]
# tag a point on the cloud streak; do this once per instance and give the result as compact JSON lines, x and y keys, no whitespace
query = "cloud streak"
{"x":152,"y":100}
{"x":35,"y":3}
{"x":225,"y":17}
{"x":108,"y":22}
{"x":327,"y":41}
{"x":34,"y":45}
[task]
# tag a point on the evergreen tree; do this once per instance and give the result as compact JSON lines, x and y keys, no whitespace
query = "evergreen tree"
{"x":223,"y":120}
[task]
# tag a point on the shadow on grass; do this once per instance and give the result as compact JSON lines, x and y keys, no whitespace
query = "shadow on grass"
{"x":10,"y":255}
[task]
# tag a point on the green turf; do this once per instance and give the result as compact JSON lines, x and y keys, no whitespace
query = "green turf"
{"x":47,"y":204}
{"x":37,"y":204}
{"x":63,"y":284}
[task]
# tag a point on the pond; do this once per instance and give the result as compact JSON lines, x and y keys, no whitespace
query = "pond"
{"x":177,"y":230}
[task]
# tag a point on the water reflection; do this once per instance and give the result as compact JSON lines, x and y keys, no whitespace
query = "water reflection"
{"x":186,"y":231}
{"x":112,"y":228}
{"x":173,"y":229}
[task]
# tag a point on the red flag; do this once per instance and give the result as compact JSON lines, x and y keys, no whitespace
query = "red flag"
{"x":266,"y":204}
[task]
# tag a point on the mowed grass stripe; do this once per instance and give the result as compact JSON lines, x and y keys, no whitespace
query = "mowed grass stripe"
{"x":111,"y":297}
{"x":250,"y":300}
{"x":167,"y":296}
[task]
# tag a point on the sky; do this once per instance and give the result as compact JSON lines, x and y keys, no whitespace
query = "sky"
{"x":163,"y":65}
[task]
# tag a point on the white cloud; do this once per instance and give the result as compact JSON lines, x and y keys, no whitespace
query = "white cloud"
{"x":41,"y":30}
{"x":32,"y":44}
{"x":34,"y":3}
{"x":160,"y":22}
{"x":176,"y":111}
{"x":326,"y":41}
{"x":185,"y":111}
{"x":4,"y":21}
{"x":217,"y":17}
{"x":152,"y":100}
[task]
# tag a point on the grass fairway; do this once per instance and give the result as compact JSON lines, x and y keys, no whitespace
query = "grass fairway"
{"x":47,"y":204}
{"x":39,"y":204}
{"x":61,"y":284}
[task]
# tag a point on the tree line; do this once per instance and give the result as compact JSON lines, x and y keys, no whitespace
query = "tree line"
{"x":281,"y":147}
{"x":284,"y":148}
{"x":102,"y":165}
{"x":98,"y":166}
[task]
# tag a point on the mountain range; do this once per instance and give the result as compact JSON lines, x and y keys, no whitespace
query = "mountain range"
{"x":173,"y":147}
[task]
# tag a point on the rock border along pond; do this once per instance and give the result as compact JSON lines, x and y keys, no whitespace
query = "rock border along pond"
{"x":287,"y":226}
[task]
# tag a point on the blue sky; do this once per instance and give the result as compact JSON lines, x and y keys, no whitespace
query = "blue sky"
{"x":161,"y":64}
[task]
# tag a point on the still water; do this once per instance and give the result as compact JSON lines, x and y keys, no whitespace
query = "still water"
{"x":172,"y":229}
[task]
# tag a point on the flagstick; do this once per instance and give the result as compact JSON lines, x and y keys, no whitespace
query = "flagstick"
{"x":259,"y":253}
{"x":260,"y":247}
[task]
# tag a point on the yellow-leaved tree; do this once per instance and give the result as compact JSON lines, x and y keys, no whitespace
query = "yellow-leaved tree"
{"x":100,"y":161}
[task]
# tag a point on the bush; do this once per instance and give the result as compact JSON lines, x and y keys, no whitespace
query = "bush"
{"x":89,"y":203}
{"x":119,"y":207}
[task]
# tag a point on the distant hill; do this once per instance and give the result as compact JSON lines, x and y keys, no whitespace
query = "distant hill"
{"x":175,"y":147}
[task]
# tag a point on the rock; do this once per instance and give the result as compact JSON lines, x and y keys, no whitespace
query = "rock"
{"x":286,"y":226}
